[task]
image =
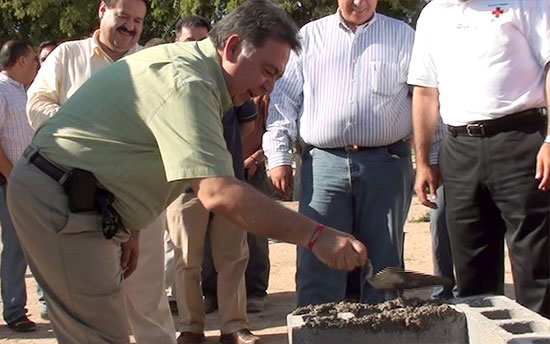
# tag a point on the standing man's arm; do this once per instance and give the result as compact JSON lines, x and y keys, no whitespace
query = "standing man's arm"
{"x":543,"y":157}
{"x":425,"y":120}
{"x":5,"y":164}
{"x":282,"y":125}
{"x":43,"y":96}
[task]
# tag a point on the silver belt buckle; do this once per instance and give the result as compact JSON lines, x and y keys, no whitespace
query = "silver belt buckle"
{"x":475,"y":130}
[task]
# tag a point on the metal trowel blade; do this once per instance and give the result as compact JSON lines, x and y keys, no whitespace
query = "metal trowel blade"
{"x":392,"y":278}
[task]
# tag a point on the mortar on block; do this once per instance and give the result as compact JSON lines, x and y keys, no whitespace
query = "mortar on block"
{"x":398,"y":321}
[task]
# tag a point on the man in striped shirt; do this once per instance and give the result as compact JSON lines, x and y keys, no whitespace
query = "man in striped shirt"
{"x":345,"y":96}
{"x":19,"y":64}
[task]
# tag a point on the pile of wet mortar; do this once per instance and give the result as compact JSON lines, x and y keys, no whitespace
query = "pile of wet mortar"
{"x":395,"y":315}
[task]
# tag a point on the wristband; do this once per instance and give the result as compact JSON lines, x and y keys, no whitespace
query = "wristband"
{"x":315,"y":236}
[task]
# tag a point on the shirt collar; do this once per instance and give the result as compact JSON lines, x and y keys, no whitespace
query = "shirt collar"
{"x":17,"y":84}
{"x":342,"y":24}
{"x":97,"y":50}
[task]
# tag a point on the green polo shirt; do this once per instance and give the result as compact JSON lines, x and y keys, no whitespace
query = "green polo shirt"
{"x":145,"y":125}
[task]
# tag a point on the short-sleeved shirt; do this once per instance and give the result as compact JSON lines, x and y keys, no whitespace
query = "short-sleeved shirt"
{"x":487,"y":58}
{"x":145,"y":125}
{"x":15,"y":131}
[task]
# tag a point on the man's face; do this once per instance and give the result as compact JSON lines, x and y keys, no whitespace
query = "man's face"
{"x":249,"y":74}
{"x":44,"y":53}
{"x":29,"y":67}
{"x":357,"y":12}
{"x":195,"y":33}
{"x":121,"y":25}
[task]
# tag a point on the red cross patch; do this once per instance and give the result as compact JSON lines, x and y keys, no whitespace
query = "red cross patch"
{"x":497,"y":12}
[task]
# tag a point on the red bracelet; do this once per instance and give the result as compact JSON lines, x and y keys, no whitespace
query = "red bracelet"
{"x":315,"y":236}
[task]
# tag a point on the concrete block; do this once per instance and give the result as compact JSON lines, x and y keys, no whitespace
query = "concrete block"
{"x":500,"y":320}
{"x":437,"y":330}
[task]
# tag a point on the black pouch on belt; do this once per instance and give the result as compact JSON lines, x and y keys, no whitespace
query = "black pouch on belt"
{"x":81,"y":187}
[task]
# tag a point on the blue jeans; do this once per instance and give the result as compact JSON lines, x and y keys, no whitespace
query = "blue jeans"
{"x":442,"y":255}
{"x":366,"y":193}
{"x":13,"y":266}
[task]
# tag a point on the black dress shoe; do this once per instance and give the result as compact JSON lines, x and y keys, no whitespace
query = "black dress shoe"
{"x":22,"y":324}
{"x":190,"y":338}
{"x":243,"y":336}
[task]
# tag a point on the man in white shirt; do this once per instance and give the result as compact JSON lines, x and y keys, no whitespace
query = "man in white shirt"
{"x":347,"y":93}
{"x":66,"y":69}
{"x":483,"y":66}
{"x":18,"y":63}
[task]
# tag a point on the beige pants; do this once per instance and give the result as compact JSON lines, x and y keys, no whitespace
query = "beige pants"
{"x":78,"y":269}
{"x":188,"y":222}
{"x":146,"y":302}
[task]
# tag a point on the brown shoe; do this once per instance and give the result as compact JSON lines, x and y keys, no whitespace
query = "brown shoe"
{"x":22,"y":324}
{"x":190,"y":338}
{"x":243,"y":336}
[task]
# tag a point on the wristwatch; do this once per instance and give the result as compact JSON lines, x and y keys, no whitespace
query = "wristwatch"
{"x":547,"y":139}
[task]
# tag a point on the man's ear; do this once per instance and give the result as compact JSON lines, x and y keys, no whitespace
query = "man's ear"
{"x":101,"y":10}
{"x":232,"y":48}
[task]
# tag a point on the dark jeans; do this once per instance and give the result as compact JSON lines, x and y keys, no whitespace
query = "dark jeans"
{"x":257,"y":271}
{"x":491,"y":195}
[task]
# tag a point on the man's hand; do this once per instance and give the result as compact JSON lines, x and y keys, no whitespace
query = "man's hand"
{"x":340,"y":250}
{"x":281,"y":177}
{"x":543,"y":167}
{"x":130,"y":253}
{"x":428,"y":179}
{"x":251,"y":167}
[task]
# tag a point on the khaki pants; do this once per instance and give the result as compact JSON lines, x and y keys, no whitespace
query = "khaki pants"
{"x":146,"y":302}
{"x":78,"y":269}
{"x":188,"y":223}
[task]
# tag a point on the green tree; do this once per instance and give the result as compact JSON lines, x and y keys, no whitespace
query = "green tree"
{"x":39,"y":20}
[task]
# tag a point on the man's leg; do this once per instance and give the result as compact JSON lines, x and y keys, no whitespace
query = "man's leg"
{"x":526,"y":211}
{"x":327,"y":198}
{"x":14,"y":294}
{"x":257,"y":271}
{"x":146,"y":302}
{"x":382,"y":182}
{"x":78,"y":269}
{"x":170,"y":272}
{"x":187,"y":224}
{"x":209,"y":277}
{"x":441,"y":247}
{"x":230,"y":253}
{"x":475,"y":226}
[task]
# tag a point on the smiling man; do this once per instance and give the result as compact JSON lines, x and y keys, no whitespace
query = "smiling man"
{"x":347,"y":94}
{"x":66,"y":69}
{"x":142,"y":130}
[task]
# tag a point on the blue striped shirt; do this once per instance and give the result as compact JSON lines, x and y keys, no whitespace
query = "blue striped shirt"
{"x":343,"y":88}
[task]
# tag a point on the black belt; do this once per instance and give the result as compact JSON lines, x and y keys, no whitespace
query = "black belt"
{"x":54,"y":172}
{"x":357,"y":148}
{"x":527,"y":119}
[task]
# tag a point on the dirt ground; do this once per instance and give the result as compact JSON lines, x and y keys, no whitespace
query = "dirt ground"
{"x":271,"y":323}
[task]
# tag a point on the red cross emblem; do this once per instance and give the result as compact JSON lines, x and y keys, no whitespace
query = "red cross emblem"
{"x":497,"y":12}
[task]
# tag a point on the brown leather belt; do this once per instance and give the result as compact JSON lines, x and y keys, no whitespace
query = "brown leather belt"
{"x":524,"y":120}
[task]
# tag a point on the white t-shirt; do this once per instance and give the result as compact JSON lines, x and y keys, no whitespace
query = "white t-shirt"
{"x":486,"y":57}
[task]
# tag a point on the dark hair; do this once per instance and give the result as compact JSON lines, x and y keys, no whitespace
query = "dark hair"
{"x":112,"y":3}
{"x":192,"y":20}
{"x":47,"y":44}
{"x":255,"y":21}
{"x":11,"y":51}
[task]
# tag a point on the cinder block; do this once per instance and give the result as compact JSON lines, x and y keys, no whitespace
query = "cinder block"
{"x":437,"y":330}
{"x":500,"y":320}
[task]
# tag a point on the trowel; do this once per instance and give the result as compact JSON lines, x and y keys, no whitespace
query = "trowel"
{"x":392,"y":279}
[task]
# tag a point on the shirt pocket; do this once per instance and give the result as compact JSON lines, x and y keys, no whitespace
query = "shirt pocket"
{"x":384,"y":77}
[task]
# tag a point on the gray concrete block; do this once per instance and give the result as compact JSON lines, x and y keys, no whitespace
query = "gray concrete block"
{"x":451,"y":330}
{"x":500,"y":320}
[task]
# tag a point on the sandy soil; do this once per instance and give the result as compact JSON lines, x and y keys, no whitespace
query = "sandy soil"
{"x":270,"y":324}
